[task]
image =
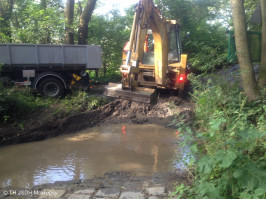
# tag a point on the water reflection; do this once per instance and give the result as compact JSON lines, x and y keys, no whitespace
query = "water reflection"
{"x":93,"y":152}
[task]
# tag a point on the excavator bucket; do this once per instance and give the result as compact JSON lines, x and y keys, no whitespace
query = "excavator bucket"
{"x":144,"y":95}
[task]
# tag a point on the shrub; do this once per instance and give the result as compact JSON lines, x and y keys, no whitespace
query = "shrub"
{"x":112,"y":75}
{"x":207,"y":48}
{"x":229,"y":142}
{"x":78,"y":102}
{"x":16,"y":103}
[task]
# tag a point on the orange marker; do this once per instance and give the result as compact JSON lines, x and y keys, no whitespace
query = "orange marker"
{"x":124,"y":130}
{"x":177,"y":132}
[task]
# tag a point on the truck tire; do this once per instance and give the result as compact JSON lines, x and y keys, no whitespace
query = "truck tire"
{"x":51,"y":87}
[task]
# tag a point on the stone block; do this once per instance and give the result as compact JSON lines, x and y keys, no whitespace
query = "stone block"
{"x":79,"y":196}
{"x":132,"y":195}
{"x":85,"y":191}
{"x":153,"y":197}
{"x":109,"y":193}
{"x":51,"y":194}
{"x":155,"y":191}
{"x":82,"y":194}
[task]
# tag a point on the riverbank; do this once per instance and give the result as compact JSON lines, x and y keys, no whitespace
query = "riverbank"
{"x":43,"y":124}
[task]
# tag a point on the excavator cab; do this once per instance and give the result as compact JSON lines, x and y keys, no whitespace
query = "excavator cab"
{"x":174,"y":51}
{"x":175,"y":45}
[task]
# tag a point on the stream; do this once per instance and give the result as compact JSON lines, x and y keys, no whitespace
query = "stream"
{"x":142,"y":149}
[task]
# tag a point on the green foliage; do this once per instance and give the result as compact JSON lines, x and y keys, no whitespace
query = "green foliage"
{"x":76,"y":103}
{"x":180,"y":191}
{"x":111,"y":34}
{"x":112,"y":76}
{"x":229,"y":142}
{"x":34,"y":24}
{"x":18,"y":103}
{"x":206,"y":45}
{"x":207,"y":48}
{"x":4,"y":38}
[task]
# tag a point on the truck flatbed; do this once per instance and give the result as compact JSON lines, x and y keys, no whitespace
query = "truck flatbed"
{"x":47,"y":56}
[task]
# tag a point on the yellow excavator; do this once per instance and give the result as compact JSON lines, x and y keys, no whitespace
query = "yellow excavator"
{"x":152,"y":58}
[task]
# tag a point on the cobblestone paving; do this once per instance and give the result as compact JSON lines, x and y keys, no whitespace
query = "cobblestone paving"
{"x":115,"y":185}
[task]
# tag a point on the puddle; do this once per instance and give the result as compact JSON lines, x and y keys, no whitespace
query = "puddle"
{"x":142,"y":149}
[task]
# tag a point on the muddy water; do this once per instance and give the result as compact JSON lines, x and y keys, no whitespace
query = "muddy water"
{"x":138,"y":148}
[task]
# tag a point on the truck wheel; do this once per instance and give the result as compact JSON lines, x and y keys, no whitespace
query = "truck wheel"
{"x":51,"y":87}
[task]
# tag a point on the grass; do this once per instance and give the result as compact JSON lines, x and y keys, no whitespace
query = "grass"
{"x":18,"y":103}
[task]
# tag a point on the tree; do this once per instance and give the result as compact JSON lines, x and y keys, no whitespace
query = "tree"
{"x":262,"y":72}
{"x":84,"y":21}
{"x":111,"y":32}
{"x":69,"y":15}
{"x":46,"y":39}
{"x":206,"y":44}
{"x":6,"y":9}
{"x":240,"y":29}
{"x":34,"y":22}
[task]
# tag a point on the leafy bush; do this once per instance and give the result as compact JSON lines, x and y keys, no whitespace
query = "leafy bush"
{"x":16,"y":103}
{"x":78,"y":102}
{"x":207,"y":48}
{"x":208,"y":59}
{"x":229,"y":142}
{"x":112,"y":75}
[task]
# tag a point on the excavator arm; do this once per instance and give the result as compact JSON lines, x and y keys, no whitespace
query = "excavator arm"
{"x":148,"y":16}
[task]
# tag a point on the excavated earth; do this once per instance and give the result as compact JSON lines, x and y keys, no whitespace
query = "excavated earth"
{"x":44,"y":125}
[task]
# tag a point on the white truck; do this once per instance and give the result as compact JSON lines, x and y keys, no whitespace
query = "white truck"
{"x":48,"y":69}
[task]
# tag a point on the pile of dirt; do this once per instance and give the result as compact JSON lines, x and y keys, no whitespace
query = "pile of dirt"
{"x":162,"y":113}
{"x":43,"y":125}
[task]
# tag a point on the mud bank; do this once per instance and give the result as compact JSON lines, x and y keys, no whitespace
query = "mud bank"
{"x":114,"y":185}
{"x":43,"y":125}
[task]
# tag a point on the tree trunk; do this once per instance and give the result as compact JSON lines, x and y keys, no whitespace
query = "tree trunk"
{"x":262,"y":72}
{"x":84,"y":21}
{"x":240,"y":29}
{"x":69,"y":14}
{"x":6,"y":9}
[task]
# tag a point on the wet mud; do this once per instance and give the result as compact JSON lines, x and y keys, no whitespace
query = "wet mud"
{"x":43,"y":125}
